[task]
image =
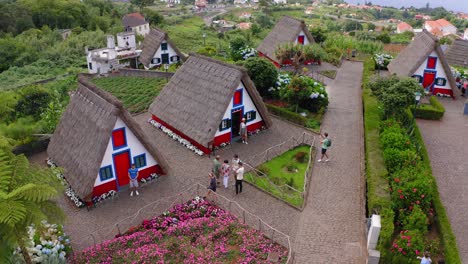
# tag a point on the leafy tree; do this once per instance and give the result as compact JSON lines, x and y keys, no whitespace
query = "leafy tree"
{"x":445,"y":41}
{"x":207,"y":50}
{"x":319,"y":34}
{"x":255,"y":29}
{"x":142,"y":3}
{"x":264,"y":21}
{"x":265,"y":5}
{"x":33,"y":101}
{"x":26,"y":197}
{"x":371,"y":26}
{"x":399,"y":96}
{"x":295,"y":91}
{"x":298,"y":54}
{"x":262,"y":72}
{"x":384,"y":38}
{"x":154,"y":17}
{"x":350,"y":25}
{"x":236,"y":45}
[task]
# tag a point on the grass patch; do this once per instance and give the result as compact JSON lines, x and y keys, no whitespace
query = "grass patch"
{"x":311,"y":121}
{"x":136,"y":93}
{"x":286,"y":169}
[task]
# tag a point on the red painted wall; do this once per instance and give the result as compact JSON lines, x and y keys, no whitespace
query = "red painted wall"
{"x":182,"y":135}
{"x":255,"y":126}
{"x":103,"y":188}
{"x":443,"y":91}
{"x":222,"y":139}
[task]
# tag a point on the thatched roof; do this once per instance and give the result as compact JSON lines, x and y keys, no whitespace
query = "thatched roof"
{"x":151,"y":44}
{"x":80,"y":140}
{"x":197,"y":96}
{"x":285,"y":31}
{"x":457,"y":53}
{"x":409,"y":59}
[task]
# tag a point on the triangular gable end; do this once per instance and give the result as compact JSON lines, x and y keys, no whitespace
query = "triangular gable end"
{"x":123,"y":149}
{"x":242,"y":105}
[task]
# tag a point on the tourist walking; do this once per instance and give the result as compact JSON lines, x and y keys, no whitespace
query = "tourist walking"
{"x":243,"y":131}
{"x":326,"y":143}
{"x":133,"y":175}
{"x":212,"y":186}
{"x":216,"y":168}
{"x":239,"y":177}
{"x":426,"y":259}
{"x":225,"y":170}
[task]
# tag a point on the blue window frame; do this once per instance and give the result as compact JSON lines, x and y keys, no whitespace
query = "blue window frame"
{"x":105,"y":173}
{"x":418,"y":78}
{"x":140,"y":160}
{"x":237,"y":98}
{"x":250,"y":115}
{"x":119,"y":138}
{"x":225,"y":124}
{"x":163,"y":46}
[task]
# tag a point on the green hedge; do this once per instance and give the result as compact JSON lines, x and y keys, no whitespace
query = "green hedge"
{"x":434,"y":111}
{"x":288,"y":115}
{"x":447,"y":237}
{"x":378,"y":195}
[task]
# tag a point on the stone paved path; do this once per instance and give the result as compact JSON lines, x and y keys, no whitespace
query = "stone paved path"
{"x":331,"y":227}
{"x":446,"y":142}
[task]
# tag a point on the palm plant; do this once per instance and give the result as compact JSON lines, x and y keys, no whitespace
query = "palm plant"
{"x":26,"y":194}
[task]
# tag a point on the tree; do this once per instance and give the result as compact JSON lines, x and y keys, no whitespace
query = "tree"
{"x":400,"y":96}
{"x":384,"y":37}
{"x":142,"y":3}
{"x":26,"y":197}
{"x":255,"y":28}
{"x":350,"y":25}
{"x":262,"y":72}
{"x":154,"y":17}
{"x":236,"y":45}
{"x":298,"y":54}
{"x":33,"y":101}
{"x":319,"y":34}
{"x":265,"y":5}
{"x":264,"y":21}
{"x":295,"y":91}
{"x":371,"y":26}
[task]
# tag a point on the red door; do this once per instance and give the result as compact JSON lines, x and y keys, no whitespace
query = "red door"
{"x":121,"y":165}
{"x":428,"y":80}
{"x":300,"y":39}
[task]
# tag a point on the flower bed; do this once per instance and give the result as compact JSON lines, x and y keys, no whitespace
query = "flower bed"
{"x":194,"y":232}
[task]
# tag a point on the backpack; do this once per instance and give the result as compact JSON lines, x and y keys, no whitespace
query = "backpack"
{"x":328,"y":143}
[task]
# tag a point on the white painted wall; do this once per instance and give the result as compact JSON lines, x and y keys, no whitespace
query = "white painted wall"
{"x":124,"y":38}
{"x":158,"y":53}
{"x":100,"y":66}
{"x":248,"y":106}
{"x":439,"y":68}
{"x":135,"y":146}
{"x":306,"y":40}
{"x":450,"y":29}
{"x":142,"y":29}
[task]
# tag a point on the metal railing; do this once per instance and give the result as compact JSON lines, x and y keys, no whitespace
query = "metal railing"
{"x":157,"y":207}
{"x":283,"y":190}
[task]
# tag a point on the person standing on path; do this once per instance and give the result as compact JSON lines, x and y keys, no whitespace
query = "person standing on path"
{"x":225,"y":170}
{"x":212,"y":186}
{"x":239,"y":178}
{"x":133,"y":175}
{"x":326,"y":143}
{"x":243,"y":131}
{"x":217,"y":168}
{"x":234,"y":166}
{"x":426,"y":259}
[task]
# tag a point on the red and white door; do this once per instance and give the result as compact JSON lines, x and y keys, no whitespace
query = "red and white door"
{"x":121,"y":165}
{"x":300,"y":39}
{"x":428,"y":80}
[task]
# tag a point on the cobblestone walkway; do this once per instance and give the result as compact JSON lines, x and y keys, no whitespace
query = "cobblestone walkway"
{"x":447,"y":146}
{"x":331,"y":227}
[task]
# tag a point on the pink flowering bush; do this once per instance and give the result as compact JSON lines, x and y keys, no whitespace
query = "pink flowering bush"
{"x":408,"y":244}
{"x":193,"y":232}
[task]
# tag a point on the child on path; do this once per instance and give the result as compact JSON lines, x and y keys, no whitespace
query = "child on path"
{"x":326,"y":143}
{"x":225,"y":170}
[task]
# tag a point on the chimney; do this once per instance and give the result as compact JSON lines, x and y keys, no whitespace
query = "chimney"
{"x":110,"y":42}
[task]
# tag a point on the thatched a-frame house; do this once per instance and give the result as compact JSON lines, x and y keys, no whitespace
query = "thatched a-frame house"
{"x":158,"y":49}
{"x":97,"y":140}
{"x":205,"y":101}
{"x":287,"y":30}
{"x":457,"y":53}
{"x":424,"y":59}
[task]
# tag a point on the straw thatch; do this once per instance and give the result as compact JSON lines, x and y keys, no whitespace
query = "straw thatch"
{"x":80,"y":140}
{"x":197,"y":96}
{"x":457,"y":53}
{"x":409,"y":60}
{"x":285,"y":31}
{"x":151,"y":44}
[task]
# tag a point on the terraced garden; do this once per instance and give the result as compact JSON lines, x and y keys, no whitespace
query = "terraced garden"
{"x":136,"y":93}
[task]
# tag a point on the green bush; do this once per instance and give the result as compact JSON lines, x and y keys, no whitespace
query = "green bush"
{"x":264,"y":169}
{"x":286,"y":114}
{"x":434,"y":111}
{"x":291,"y":167}
{"x":395,"y":140}
{"x":396,"y":159}
{"x":416,"y":220}
{"x":408,"y":245}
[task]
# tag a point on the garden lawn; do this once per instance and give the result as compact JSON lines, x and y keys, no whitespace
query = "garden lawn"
{"x":279,"y":176}
{"x":194,"y":232}
{"x":136,"y":93}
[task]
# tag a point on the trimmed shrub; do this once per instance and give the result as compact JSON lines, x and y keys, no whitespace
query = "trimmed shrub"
{"x":416,"y":220}
{"x":397,"y":159}
{"x":434,"y":111}
{"x":288,"y":115}
{"x":395,"y":140}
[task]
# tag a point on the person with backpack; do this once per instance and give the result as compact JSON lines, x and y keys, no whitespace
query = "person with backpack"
{"x":326,"y":143}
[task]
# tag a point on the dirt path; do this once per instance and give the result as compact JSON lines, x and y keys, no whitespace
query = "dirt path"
{"x":331,"y":227}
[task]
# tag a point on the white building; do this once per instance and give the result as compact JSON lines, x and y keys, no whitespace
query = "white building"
{"x":136,"y":22}
{"x":440,"y":27}
{"x":111,"y":58}
{"x":280,"y":2}
{"x":158,"y":49}
{"x":465,"y":35}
